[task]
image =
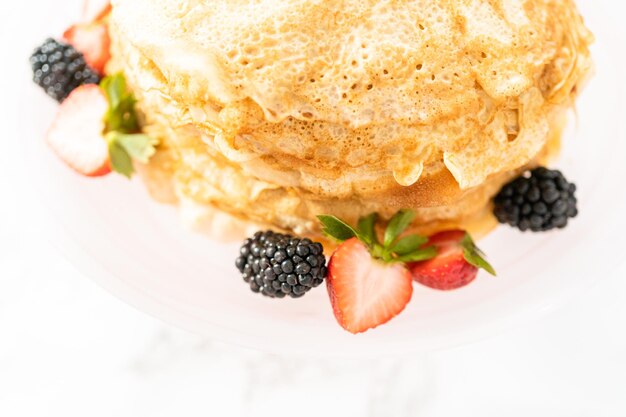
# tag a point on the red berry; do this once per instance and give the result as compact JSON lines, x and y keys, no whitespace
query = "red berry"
{"x":365,"y":292}
{"x":93,"y":41}
{"x":449,"y":270}
{"x":76,"y":133}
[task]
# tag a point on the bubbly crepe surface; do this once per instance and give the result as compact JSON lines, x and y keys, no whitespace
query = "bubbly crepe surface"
{"x":275,"y":110}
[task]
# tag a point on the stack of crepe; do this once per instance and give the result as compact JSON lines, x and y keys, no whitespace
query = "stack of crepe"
{"x":276,"y":111}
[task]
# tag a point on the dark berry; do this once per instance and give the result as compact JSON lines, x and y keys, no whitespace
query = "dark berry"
{"x":312,"y":260}
{"x":287,"y":267}
{"x":317,"y":249}
{"x":240,"y":263}
{"x":540,"y":200}
{"x":270,"y":274}
{"x":278,"y":265}
{"x":302,"y":250}
{"x":280,"y":256}
{"x":303,"y":268}
{"x":59,"y":69}
{"x":306,"y":280}
{"x":264,"y":263}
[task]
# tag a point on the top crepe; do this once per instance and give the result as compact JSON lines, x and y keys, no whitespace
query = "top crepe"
{"x":344,"y":98}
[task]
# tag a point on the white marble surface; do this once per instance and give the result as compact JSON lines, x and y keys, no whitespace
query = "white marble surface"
{"x":67,"y":348}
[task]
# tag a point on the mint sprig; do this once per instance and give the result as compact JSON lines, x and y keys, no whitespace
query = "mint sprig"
{"x":394,"y":247}
{"x":366,"y":228}
{"x":419,"y":256}
{"x":408,"y":244}
{"x":123,"y":148}
{"x":336,"y":228}
{"x":474,"y":255}
{"x":121,"y":116}
{"x":397,"y":225}
{"x":122,"y":130}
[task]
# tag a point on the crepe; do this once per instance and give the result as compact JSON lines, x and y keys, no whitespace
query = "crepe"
{"x":277,"y":111}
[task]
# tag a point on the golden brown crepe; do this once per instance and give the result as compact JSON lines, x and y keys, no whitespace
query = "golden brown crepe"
{"x":276,"y":111}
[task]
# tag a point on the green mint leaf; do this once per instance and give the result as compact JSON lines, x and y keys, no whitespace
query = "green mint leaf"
{"x":397,"y":225}
{"x":474,"y":255}
{"x":121,"y":161}
{"x":123,"y":136}
{"x":337,"y":229}
{"x":418,"y":255}
{"x":126,"y":116}
{"x":366,"y":229}
{"x":138,"y":146}
{"x":114,"y":87}
{"x":378,"y":252}
{"x":121,"y":115}
{"x":408,"y":244}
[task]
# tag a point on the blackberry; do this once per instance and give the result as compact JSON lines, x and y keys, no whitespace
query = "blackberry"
{"x":58,"y":68}
{"x":538,"y":201}
{"x":278,"y":265}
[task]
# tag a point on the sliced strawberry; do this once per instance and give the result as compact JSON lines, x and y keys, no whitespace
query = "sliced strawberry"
{"x":76,"y":135}
{"x":450,"y":269}
{"x":365,"y":292}
{"x":93,"y":41}
{"x":96,"y":10}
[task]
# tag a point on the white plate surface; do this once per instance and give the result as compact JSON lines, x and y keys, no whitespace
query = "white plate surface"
{"x":138,"y":250}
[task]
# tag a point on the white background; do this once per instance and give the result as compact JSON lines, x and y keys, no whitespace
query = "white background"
{"x":68,"y":348}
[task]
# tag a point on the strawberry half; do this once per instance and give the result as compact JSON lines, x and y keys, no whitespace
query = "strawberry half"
{"x":365,"y":292}
{"x":456,"y":264}
{"x":368,"y":279}
{"x":368,"y":282}
{"x":97,"y":131}
{"x":93,"y":41}
{"x":76,"y":135}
